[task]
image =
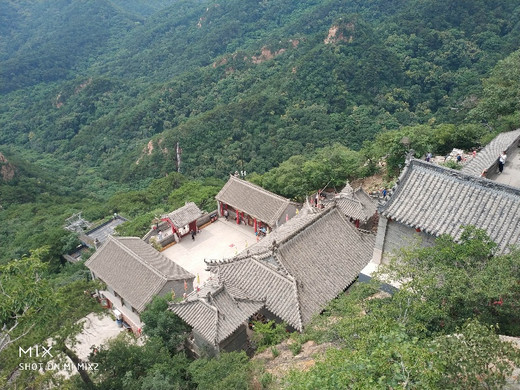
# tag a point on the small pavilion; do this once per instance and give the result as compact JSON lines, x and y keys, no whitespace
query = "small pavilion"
{"x":183,"y":220}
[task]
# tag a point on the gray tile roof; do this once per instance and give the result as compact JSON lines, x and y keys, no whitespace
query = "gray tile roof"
{"x":214,"y":312}
{"x":101,"y":232}
{"x":253,"y":200}
{"x":439,"y":200}
{"x":134,"y":269}
{"x":184,"y":215}
{"x":357,"y":205}
{"x":300,"y":266}
{"x":348,"y":190}
{"x":488,"y":156}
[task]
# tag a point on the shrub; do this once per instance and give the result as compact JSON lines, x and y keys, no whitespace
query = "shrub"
{"x":268,"y":334}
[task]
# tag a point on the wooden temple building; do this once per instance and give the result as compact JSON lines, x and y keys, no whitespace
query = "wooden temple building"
{"x":134,"y":273}
{"x":430,"y":200}
{"x":245,"y":202}
{"x":219,"y":316}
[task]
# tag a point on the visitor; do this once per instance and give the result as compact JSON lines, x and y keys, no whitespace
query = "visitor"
{"x":501,"y":161}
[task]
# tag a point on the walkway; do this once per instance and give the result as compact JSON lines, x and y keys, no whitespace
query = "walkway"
{"x":511,"y":173}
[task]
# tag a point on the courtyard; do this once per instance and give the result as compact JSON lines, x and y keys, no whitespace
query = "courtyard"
{"x":219,"y":240}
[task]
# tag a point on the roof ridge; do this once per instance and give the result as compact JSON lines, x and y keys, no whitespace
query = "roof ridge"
{"x":312,"y":219}
{"x":212,"y":263}
{"x":272,"y":255}
{"x":280,"y":210}
{"x":203,"y":301}
{"x":138,"y":258}
{"x":467,"y":177}
{"x":287,"y":276}
{"x":351,"y":198}
{"x":256,"y":186}
{"x":254,"y":257}
{"x":246,"y":299}
{"x":295,"y":290}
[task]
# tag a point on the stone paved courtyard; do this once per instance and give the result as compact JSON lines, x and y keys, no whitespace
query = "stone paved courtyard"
{"x":220,"y":240}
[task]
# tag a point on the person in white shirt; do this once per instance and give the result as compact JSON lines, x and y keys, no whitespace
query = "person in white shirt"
{"x":501,"y":161}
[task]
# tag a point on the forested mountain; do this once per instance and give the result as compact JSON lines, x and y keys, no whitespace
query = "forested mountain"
{"x":238,"y":84}
{"x":97,"y":94}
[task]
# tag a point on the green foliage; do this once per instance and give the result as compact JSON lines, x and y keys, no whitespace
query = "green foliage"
{"x":453,"y":165}
{"x":437,"y":331}
{"x":24,"y":292}
{"x":163,"y":324}
{"x":501,"y":95}
{"x":155,"y":243}
{"x":117,"y":113}
{"x":454,"y":281}
{"x":227,"y":371}
{"x":300,"y":176}
{"x":139,"y":225}
{"x":124,"y":364}
{"x":471,"y":359}
{"x":393,"y":146}
{"x":35,"y":306}
{"x":268,"y":334}
{"x":275,"y":351}
{"x":266,"y":380}
{"x":194,"y":191}
{"x":93,"y":107}
{"x":295,"y":347}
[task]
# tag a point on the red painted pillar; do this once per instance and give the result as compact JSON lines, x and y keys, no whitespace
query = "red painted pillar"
{"x":238,"y":218}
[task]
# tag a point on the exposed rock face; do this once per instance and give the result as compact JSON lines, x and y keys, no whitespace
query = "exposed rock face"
{"x":286,"y":361}
{"x":266,"y":55}
{"x":7,"y":170}
{"x":338,"y":33}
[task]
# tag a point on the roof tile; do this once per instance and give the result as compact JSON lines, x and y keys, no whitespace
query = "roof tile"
{"x":134,"y":269}
{"x":439,"y":200}
{"x":253,"y":200}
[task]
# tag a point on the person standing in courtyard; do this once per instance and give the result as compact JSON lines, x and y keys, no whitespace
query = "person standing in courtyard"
{"x":501,"y":161}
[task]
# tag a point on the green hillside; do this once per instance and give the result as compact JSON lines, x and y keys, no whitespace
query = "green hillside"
{"x":99,"y":93}
{"x":241,"y":84}
{"x":96,"y":94}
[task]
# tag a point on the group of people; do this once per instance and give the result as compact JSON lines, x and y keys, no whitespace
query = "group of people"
{"x":500,"y":161}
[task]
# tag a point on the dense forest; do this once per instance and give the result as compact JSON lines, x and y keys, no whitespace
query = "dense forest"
{"x":95,"y":96}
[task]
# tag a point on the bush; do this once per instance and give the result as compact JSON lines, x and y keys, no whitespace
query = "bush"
{"x":296,"y":347}
{"x":453,"y":165}
{"x":228,"y":371}
{"x":266,"y":379}
{"x":269,"y":334}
